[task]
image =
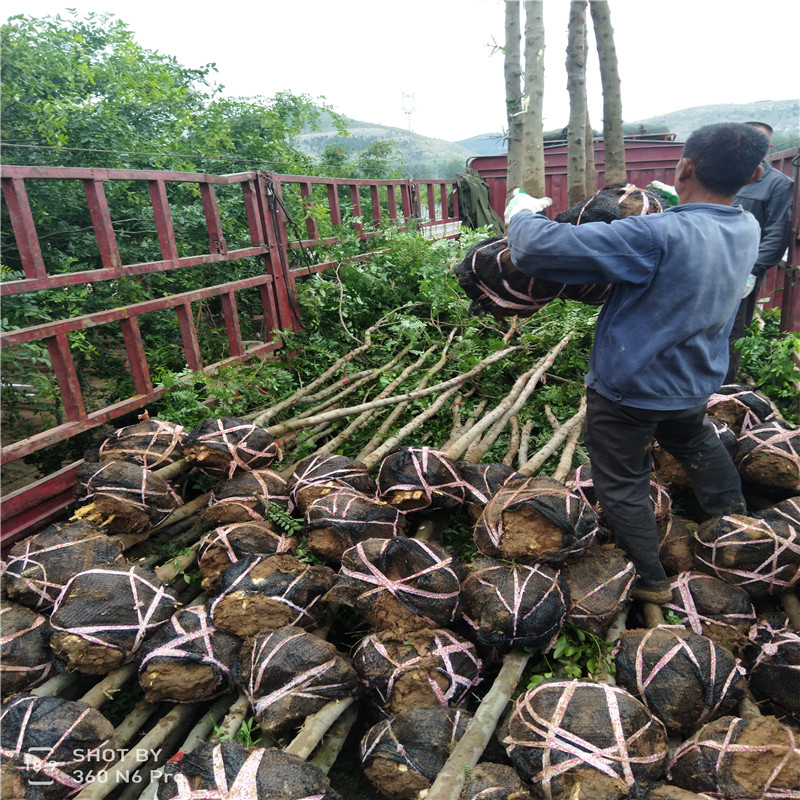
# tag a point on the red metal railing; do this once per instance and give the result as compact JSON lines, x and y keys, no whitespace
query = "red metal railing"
{"x":324,"y":204}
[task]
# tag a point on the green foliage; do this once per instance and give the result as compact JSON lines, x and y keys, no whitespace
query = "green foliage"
{"x":283,"y":519}
{"x":575,"y":654}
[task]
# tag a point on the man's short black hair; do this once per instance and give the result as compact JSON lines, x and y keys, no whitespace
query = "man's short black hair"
{"x":726,"y":154}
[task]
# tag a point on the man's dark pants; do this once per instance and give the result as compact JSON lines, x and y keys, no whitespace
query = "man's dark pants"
{"x":618,"y":440}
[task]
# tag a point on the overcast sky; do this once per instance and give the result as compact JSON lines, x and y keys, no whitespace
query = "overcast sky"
{"x":429,"y":65}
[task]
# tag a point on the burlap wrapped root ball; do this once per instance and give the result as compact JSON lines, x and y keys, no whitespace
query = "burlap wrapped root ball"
{"x":289,"y":674}
{"x":416,"y":668}
{"x":187,"y":660}
{"x":245,"y":498}
{"x":51,"y":748}
{"x":533,"y":520}
{"x":768,"y":455}
{"x":490,"y":781}
{"x":25,"y":656}
{"x":222,"y":447}
{"x":229,"y":771}
{"x":684,"y":679}
{"x":613,"y":201}
{"x":151,"y":443}
{"x":228,"y":544}
{"x":259,"y":595}
{"x":482,"y":482}
{"x":740,"y":759}
{"x":38,"y":568}
{"x":403,"y":755}
{"x":739,"y":407}
{"x":123,"y":498}
{"x":599,"y":585}
{"x":344,"y":517}
{"x":749,"y":552}
{"x":513,"y":605}
{"x":584,"y":741}
{"x":399,"y":583}
{"x":774,"y":668}
{"x":711,"y":607}
{"x":320,"y":474}
{"x":103,"y":615}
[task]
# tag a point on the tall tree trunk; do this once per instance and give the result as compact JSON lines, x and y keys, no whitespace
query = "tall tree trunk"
{"x":576,"y":87}
{"x":533,"y":181}
{"x":615,"y":167}
{"x":590,"y":164}
{"x":512,"y":69}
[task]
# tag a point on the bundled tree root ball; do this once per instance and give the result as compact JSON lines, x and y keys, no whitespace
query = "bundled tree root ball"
{"x":38,"y":568}
{"x":403,"y":755}
{"x":222,"y":447}
{"x":748,"y":552}
{"x":676,"y":535}
{"x":260,"y":595}
{"x":613,"y":201}
{"x":289,"y":674}
{"x":483,"y":481}
{"x":489,"y":781}
{"x":418,"y":668}
{"x":399,"y":583}
{"x":244,"y":498}
{"x":230,"y":543}
{"x":774,"y":673}
{"x":685,"y":679}
{"x":584,"y":740}
{"x":318,"y":475}
{"x":187,"y":660}
{"x":103,"y":615}
{"x":25,"y":656}
{"x":784,"y":518}
{"x":151,"y":443}
{"x":514,"y":606}
{"x":344,"y":517}
{"x":711,"y":607}
{"x":740,"y":759}
{"x":599,"y":584}
{"x":535,"y":519}
{"x":769,"y":455}
{"x":421,"y":479}
{"x":123,"y":498}
{"x":739,"y":407}
{"x":53,"y":747}
{"x":230,"y":771}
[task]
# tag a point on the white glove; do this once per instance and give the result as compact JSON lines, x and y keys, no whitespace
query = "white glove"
{"x":521,"y":201}
{"x":751,"y":283}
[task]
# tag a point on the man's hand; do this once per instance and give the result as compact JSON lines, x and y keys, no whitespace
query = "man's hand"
{"x":751,"y":283}
{"x":521,"y":201}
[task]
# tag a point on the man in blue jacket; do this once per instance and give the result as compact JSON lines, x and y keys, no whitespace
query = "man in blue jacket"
{"x":661,"y":341}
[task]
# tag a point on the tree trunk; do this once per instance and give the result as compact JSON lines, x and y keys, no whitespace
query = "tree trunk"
{"x":590,"y":165}
{"x":532,"y":146}
{"x":513,"y":76}
{"x":576,"y":87}
{"x":615,"y":168}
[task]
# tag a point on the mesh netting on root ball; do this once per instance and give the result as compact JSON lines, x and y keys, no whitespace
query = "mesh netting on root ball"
{"x":403,"y":755}
{"x":685,"y":679}
{"x":222,"y":447}
{"x":535,"y":519}
{"x":261,"y":594}
{"x":228,"y":544}
{"x":614,"y":201}
{"x":514,"y":605}
{"x":489,"y":781}
{"x":482,"y":482}
{"x":289,"y":674}
{"x":774,"y":672}
{"x":345,"y":517}
{"x":25,"y":656}
{"x":38,"y":568}
{"x":713,"y":608}
{"x":230,"y":771}
{"x":123,"y":498}
{"x":102,"y":616}
{"x":50,"y":746}
{"x":599,"y":584}
{"x":399,"y":583}
{"x":421,"y":479}
{"x":739,"y":407}
{"x":320,"y":474}
{"x":151,"y":443}
{"x":244,"y":498}
{"x":676,"y":535}
{"x":417,"y":668}
{"x":188,"y":659}
{"x":769,"y":455}
{"x":748,"y":552}
{"x":740,"y":759}
{"x":562,"y":734}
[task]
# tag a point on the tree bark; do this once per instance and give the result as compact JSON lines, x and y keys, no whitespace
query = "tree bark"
{"x":512,"y":69}
{"x":533,"y":181}
{"x":615,"y":167}
{"x":576,"y":87}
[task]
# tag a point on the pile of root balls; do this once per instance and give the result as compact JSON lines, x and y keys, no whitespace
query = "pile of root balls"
{"x":428,"y":628}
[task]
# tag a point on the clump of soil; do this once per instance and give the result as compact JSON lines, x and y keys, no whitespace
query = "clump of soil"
{"x":25,"y":657}
{"x":774,"y":672}
{"x":151,"y":443}
{"x":769,"y":455}
{"x":489,"y":781}
{"x":676,"y":535}
{"x":244,"y":498}
{"x":739,"y":408}
{"x":262,"y":594}
{"x":417,"y":668}
{"x":321,"y":474}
